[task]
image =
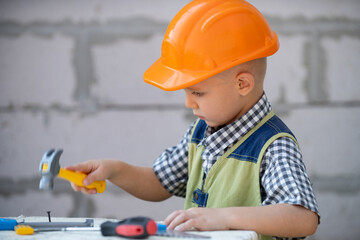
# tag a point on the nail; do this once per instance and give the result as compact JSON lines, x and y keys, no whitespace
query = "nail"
{"x":48,"y":212}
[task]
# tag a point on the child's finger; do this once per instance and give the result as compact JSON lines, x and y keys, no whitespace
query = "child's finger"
{"x":82,"y":189}
{"x":88,"y":190}
{"x":75,"y":187}
{"x":170,"y":218}
{"x":188,"y":225}
{"x":84,"y":167}
{"x":176,"y":218}
{"x":92,"y":177}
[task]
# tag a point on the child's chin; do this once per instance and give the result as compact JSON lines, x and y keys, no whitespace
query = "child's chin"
{"x":211,"y":124}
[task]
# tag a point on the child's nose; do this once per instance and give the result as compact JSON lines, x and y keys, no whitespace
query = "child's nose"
{"x":190,"y":103}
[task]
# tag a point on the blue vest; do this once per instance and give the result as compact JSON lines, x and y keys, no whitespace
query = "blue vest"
{"x":234,"y":179}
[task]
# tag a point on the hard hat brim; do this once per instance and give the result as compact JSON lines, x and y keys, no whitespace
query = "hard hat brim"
{"x":169,"y":79}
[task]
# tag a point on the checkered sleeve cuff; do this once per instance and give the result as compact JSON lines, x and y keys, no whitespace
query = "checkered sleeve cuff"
{"x":171,"y":167}
{"x":285,"y":179}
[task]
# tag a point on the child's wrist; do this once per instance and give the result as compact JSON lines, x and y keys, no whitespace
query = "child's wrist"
{"x":114,"y":169}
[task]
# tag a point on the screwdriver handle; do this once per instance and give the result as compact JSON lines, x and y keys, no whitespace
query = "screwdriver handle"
{"x":24,"y":230}
{"x":136,"y":227}
{"x":7,"y":223}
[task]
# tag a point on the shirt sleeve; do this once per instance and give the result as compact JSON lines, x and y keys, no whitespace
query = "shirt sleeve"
{"x":171,"y":167}
{"x":284,"y":178}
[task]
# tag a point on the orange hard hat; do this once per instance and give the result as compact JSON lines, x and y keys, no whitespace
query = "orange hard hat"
{"x":207,"y":37}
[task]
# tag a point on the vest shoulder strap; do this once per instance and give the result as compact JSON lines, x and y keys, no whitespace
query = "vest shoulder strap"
{"x":250,"y":149}
{"x":198,"y":131}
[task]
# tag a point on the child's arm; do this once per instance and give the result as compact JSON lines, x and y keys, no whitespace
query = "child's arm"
{"x":138,"y":181}
{"x":282,"y":220}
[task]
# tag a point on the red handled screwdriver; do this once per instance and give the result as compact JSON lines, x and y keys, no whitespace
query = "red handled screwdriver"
{"x":135,"y":227}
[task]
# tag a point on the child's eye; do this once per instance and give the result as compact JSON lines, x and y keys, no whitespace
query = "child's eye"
{"x":198,"y":94}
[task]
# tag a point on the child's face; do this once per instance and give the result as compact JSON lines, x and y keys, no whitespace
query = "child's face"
{"x":215,"y":100}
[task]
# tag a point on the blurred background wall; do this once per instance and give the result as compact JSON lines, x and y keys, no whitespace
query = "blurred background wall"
{"x":71,"y":78}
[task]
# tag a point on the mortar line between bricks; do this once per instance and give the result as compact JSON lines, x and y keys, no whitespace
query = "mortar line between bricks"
{"x":122,"y":28}
{"x":162,"y":107}
{"x":340,"y":183}
{"x":145,"y":26}
{"x":19,"y":186}
{"x":98,"y":108}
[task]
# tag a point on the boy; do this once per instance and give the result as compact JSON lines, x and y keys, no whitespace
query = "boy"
{"x":238,"y":166}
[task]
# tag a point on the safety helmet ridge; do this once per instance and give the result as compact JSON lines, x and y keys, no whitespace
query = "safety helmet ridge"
{"x":207,"y":37}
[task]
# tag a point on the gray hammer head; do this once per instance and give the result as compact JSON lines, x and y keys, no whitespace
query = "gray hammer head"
{"x":49,"y":168}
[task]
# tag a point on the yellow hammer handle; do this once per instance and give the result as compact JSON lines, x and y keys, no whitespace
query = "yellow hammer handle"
{"x":78,"y":178}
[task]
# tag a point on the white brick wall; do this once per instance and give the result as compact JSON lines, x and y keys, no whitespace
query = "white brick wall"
{"x":71,"y":78}
{"x":38,"y":203}
{"x":130,"y":136}
{"x":343,"y":67}
{"x":309,"y":9}
{"x":119,"y":69}
{"x":326,"y":140}
{"x":91,"y":10}
{"x":36,"y":70}
{"x":340,"y":216}
{"x":286,"y":75}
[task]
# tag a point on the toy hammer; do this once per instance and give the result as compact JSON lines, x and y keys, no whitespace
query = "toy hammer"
{"x":50,"y":168}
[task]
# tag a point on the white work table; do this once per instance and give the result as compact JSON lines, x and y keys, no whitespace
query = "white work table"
{"x":92,"y":235}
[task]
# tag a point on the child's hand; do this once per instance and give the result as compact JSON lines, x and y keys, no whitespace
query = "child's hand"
{"x":201,"y":219}
{"x":97,"y":170}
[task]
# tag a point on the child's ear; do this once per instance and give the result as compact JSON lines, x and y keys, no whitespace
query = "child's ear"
{"x":245,"y":83}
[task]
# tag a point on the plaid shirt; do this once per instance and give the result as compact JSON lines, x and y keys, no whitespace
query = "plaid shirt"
{"x":282,"y":171}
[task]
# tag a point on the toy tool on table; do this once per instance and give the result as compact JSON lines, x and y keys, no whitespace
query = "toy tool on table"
{"x":142,"y":227}
{"x":50,"y":168}
{"x":27,"y":228}
{"x":178,"y":234}
{"x":136,"y":227}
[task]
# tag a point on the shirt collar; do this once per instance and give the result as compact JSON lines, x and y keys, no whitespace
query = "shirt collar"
{"x":219,"y":140}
